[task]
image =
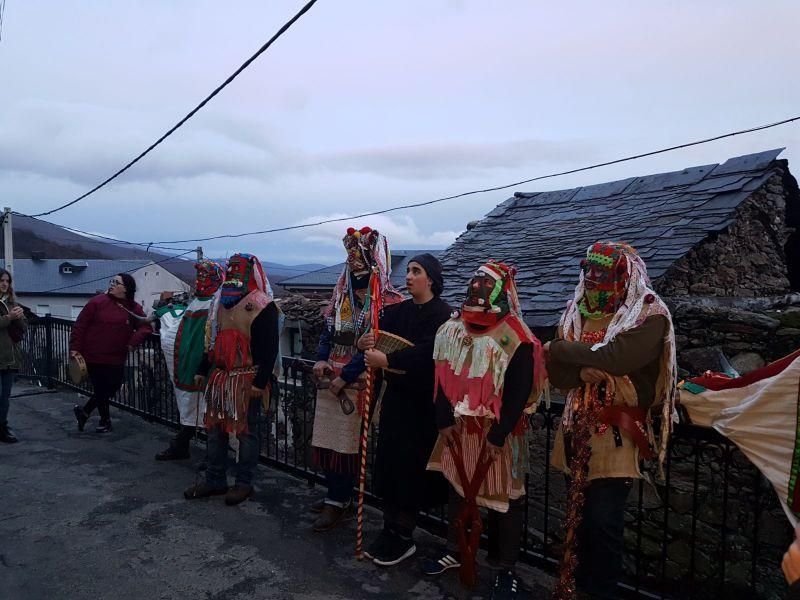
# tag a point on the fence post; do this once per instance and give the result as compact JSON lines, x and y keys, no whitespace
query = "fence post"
{"x":48,"y":352}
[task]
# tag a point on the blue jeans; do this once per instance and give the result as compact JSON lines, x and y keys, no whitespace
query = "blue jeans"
{"x":6,"y":381}
{"x":340,"y":488}
{"x":249,"y":448}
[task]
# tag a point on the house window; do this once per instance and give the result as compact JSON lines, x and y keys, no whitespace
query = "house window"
{"x":42,"y":309}
{"x":66,"y":270}
{"x":75,"y":311}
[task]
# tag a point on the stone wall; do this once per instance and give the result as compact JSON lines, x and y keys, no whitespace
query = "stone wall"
{"x":749,"y":333}
{"x":746,"y":260}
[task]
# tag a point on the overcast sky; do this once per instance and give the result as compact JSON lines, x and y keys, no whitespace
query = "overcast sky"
{"x":366,"y":105}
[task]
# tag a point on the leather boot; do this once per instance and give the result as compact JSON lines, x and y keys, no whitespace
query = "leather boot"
{"x":238,"y":494}
{"x":332,"y":516}
{"x":7,"y":436}
{"x":203,"y":490}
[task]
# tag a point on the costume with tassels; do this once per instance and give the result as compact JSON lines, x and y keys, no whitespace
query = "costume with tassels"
{"x":243,"y":353}
{"x":244,"y":346}
{"x":183,"y":342}
{"x":489,"y":373}
{"x":617,"y":325}
{"x":338,"y":413}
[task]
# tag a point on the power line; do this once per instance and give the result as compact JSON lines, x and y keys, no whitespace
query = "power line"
{"x":484,"y":190}
{"x":235,"y":74}
{"x":65,"y":287}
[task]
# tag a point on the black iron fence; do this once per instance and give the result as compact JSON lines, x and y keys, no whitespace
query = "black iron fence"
{"x":712,"y":529}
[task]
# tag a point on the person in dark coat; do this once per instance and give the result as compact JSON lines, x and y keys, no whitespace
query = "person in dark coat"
{"x":106,"y":329}
{"x":407,"y":430}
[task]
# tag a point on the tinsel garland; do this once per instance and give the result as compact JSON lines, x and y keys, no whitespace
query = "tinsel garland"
{"x":585,"y":422}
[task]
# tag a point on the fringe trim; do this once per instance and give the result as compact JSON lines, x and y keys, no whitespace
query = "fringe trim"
{"x":330,"y":460}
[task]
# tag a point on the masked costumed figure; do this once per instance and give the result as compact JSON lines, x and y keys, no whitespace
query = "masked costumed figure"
{"x":243,"y":347}
{"x":407,"y":420}
{"x":615,"y":354}
{"x":183,"y":342}
{"x":489,"y":372}
{"x":340,"y":372}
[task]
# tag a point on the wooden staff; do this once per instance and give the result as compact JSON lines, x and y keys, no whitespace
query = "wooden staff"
{"x":374,"y":300}
{"x":585,"y":423}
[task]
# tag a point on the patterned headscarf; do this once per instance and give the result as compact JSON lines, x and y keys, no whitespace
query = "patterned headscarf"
{"x":366,"y":247}
{"x":637,"y":294}
{"x":209,"y":277}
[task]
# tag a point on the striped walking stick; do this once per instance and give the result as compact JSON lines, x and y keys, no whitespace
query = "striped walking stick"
{"x":373,"y":300}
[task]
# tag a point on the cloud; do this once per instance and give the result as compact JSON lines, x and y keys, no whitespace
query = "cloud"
{"x":402,"y":232}
{"x":85,"y":144}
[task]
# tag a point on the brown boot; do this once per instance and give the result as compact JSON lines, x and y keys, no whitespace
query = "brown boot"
{"x":238,"y":494}
{"x":331,"y":517}
{"x":318,"y":506}
{"x":203,"y":490}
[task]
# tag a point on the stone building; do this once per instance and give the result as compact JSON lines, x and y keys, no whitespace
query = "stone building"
{"x":720,"y":243}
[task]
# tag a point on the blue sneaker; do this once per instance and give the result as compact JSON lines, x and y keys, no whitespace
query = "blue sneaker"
{"x":436,"y":566}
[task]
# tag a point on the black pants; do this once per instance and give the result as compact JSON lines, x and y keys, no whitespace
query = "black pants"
{"x":106,"y":381}
{"x":600,"y":537}
{"x":504,"y":531}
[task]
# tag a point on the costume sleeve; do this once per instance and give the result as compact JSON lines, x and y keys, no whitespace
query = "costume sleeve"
{"x":354,"y":368}
{"x":324,"y":346}
{"x":444,"y":410}
{"x":563,"y":376}
{"x":77,"y":338}
{"x":142,"y":331}
{"x":517,"y":385}
{"x":628,"y":352}
{"x":264,"y":341}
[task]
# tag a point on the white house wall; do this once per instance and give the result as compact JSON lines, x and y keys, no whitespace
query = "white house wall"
{"x":63,"y":307}
{"x":153,"y":279}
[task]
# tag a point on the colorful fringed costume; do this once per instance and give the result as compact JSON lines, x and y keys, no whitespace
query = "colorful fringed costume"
{"x":336,"y":433}
{"x":244,"y":334}
{"x":489,"y":373}
{"x":182,"y":332}
{"x":618,"y":326}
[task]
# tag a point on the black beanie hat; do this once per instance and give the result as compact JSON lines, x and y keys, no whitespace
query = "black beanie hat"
{"x":433,"y":268}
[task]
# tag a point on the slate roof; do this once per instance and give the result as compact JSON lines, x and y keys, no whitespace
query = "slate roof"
{"x":41,"y":276}
{"x":327,"y":277}
{"x":546,"y":234}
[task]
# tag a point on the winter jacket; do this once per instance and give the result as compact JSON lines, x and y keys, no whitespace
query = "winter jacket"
{"x":105,"y":329}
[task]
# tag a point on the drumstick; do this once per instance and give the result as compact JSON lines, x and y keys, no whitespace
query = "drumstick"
{"x":374,"y":311}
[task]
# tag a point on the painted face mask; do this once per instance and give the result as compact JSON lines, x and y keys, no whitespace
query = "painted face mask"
{"x":605,"y":278}
{"x":209,"y":277}
{"x":240,"y":279}
{"x":359,"y":244}
{"x":487,"y":295}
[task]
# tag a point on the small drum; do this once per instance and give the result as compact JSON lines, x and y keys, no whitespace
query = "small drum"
{"x":388,"y":343}
{"x":77,"y":369}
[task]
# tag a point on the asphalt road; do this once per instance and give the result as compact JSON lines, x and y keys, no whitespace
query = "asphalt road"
{"x":87,"y":516}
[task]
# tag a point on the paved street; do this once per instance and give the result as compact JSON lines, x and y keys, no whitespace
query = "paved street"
{"x":84,"y":516}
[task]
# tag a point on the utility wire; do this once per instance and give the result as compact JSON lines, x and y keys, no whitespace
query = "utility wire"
{"x":489,"y":189}
{"x":246,"y":64}
{"x":66,"y":287}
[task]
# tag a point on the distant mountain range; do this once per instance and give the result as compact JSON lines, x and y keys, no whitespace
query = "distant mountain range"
{"x":34,"y":238}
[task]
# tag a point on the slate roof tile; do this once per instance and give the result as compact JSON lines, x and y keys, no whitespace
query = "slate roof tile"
{"x":546,"y":233}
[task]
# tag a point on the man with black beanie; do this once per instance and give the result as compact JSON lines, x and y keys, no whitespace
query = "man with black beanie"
{"x":407,"y":430}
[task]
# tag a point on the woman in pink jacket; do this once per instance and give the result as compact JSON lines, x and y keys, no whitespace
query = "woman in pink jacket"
{"x":107,"y":328}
